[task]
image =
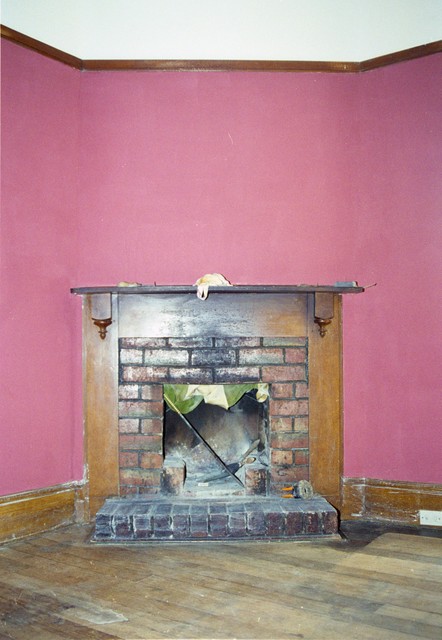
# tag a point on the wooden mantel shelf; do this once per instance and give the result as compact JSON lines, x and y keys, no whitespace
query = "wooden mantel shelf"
{"x":257,"y":288}
{"x":323,"y":298}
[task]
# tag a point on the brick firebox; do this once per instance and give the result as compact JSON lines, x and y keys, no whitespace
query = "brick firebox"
{"x":147,"y":363}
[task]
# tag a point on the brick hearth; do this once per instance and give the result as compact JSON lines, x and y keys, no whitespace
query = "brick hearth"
{"x":122,"y":520}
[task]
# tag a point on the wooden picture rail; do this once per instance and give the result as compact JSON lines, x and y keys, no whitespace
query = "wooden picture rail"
{"x":286,"y":66}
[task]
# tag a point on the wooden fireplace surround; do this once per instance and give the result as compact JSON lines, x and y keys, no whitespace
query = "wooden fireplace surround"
{"x":110,"y":313}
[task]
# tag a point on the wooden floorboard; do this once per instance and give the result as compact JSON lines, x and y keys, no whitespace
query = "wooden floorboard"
{"x":60,"y":585}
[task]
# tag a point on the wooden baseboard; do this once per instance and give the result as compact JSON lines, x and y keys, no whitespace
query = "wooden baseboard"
{"x":31,"y":512}
{"x":364,"y":498}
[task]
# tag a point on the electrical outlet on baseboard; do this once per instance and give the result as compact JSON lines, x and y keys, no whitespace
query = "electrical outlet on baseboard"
{"x":430,"y":518}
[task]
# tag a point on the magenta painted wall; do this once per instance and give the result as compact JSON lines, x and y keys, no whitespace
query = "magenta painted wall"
{"x":393,"y":351}
{"x":267,"y":178}
{"x":40,"y":422}
{"x":183,"y":174}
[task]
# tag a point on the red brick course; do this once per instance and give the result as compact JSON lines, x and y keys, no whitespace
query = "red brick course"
{"x":128,"y":391}
{"x":190,"y":343}
{"x":295,"y":355}
{"x":288,"y":408}
{"x":152,"y":392}
{"x":128,"y":491}
{"x":213,"y":357}
{"x":128,"y":425}
{"x":131,"y":356}
{"x":281,"y":424}
{"x":302,"y":390}
{"x":152,"y":426}
{"x":140,"y":477}
{"x":128,"y":343}
{"x":280,"y":476}
{"x":144,"y":374}
{"x":301,"y":456}
{"x":284,"y":407}
{"x":281,"y":457}
{"x":236,"y":374}
{"x":131,"y":408}
{"x":166,"y":357}
{"x":151,"y":460}
{"x":283,"y":374}
{"x":301,"y":423}
{"x":284,"y":342}
{"x":289,"y":441}
{"x":128,"y":459}
{"x":302,"y":408}
{"x":283,"y":389}
{"x":237,"y":342}
{"x":261,"y":356}
{"x":141,"y":443}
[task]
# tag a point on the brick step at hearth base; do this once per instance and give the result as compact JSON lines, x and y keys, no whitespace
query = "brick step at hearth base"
{"x":260,"y":518}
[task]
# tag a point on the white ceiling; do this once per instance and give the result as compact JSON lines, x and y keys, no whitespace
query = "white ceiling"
{"x":330,"y":30}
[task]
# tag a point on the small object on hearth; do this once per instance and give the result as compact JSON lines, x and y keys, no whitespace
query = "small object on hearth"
{"x":302,"y":489}
{"x":210,"y":280}
{"x":123,"y":283}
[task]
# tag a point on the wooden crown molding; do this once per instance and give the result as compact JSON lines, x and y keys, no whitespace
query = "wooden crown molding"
{"x":220,"y":65}
{"x":40,"y":47}
{"x":401,"y":56}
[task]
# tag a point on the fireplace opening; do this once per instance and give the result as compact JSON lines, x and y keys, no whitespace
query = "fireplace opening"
{"x":212,"y":450}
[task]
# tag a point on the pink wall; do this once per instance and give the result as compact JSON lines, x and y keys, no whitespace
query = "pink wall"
{"x":183,"y":174}
{"x":40,"y":419}
{"x":267,"y":178}
{"x":393,"y":350}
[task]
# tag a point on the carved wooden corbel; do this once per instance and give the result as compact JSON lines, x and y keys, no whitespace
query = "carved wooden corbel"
{"x":102,"y":326}
{"x":324,"y":311}
{"x":102,"y":312}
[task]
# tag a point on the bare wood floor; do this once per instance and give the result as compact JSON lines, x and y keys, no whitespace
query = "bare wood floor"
{"x":60,"y":586}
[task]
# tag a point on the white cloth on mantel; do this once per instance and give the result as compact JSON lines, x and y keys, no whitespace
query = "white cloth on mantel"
{"x":210,"y":280}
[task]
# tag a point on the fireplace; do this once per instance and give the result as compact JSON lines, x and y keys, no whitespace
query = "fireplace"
{"x":161,"y":470}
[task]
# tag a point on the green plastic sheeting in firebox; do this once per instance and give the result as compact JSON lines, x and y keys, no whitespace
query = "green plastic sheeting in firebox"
{"x":184,"y":398}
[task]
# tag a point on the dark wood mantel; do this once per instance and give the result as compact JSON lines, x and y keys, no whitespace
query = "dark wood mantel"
{"x":242,"y":288}
{"x":247,"y":301}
